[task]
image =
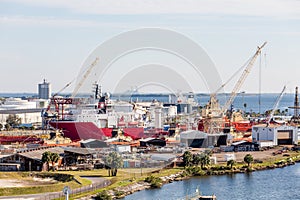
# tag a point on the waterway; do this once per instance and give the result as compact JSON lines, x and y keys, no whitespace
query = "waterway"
{"x":275,"y":184}
{"x":253,"y":102}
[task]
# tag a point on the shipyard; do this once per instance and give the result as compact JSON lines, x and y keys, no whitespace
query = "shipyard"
{"x":169,"y":100}
{"x":79,"y":133}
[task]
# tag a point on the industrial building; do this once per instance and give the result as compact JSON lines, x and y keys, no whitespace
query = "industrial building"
{"x":29,"y":112}
{"x":199,"y":139}
{"x":274,"y":135}
{"x":44,"y":90}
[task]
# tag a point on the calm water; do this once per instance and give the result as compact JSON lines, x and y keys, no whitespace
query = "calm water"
{"x":276,"y":184}
{"x":251,"y":100}
{"x":267,"y":101}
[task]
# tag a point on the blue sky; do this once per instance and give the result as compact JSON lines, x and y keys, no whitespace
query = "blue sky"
{"x":52,"y":38}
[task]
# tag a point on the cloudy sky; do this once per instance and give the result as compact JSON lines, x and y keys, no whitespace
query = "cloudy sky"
{"x":51,"y":39}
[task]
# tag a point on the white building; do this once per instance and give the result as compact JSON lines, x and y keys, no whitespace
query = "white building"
{"x":28,"y":111}
{"x":274,"y":135}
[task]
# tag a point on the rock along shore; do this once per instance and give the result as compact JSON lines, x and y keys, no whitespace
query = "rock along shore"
{"x":122,"y":191}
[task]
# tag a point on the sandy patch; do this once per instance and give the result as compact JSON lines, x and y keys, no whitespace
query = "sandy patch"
{"x":8,"y":183}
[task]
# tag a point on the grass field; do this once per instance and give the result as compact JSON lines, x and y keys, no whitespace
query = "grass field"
{"x":36,"y":187}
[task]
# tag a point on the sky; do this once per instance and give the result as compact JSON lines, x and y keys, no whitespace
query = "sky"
{"x":51,"y":39}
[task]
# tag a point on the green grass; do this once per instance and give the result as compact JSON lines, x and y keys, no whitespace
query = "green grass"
{"x":14,"y":175}
{"x":37,"y":189}
{"x":25,"y":176}
{"x":124,"y":178}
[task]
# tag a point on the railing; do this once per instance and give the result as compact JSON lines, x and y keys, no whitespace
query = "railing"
{"x":77,"y":191}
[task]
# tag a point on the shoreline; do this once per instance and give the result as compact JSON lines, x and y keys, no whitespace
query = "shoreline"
{"x":123,"y":191}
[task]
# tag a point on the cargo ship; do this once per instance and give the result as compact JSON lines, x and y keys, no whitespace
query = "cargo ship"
{"x":99,"y":120}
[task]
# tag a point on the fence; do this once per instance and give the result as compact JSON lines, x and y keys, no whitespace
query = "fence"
{"x":88,"y":188}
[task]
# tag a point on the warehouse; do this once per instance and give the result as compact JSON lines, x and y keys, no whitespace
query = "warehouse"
{"x":274,"y":135}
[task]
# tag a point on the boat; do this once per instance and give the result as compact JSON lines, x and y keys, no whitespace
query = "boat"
{"x":80,"y":119}
{"x":198,"y":196}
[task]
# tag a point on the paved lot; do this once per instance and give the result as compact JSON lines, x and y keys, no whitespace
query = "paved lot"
{"x":258,"y":155}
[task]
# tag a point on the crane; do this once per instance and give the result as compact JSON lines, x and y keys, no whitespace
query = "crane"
{"x":214,"y":118}
{"x":56,"y":101}
{"x":243,"y":77}
{"x":85,"y":75}
{"x":275,"y":106}
{"x":67,"y":85}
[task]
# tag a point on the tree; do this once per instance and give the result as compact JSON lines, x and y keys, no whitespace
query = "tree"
{"x":248,"y":159}
{"x":48,"y":157}
{"x":197,"y":159}
{"x":54,"y":157}
{"x":245,"y":106}
{"x":13,"y":120}
{"x":113,"y":161}
{"x":187,"y":158}
{"x":230,"y":163}
{"x":205,"y":160}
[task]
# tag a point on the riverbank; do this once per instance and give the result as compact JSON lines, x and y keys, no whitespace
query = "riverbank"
{"x":279,"y":161}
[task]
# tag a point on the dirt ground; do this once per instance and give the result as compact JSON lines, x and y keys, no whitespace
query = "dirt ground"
{"x":266,"y":155}
{"x":7,"y":183}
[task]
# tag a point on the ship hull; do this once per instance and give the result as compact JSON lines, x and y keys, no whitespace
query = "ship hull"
{"x":88,"y":130}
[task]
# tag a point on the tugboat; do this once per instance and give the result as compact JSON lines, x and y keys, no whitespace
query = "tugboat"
{"x":198,"y":196}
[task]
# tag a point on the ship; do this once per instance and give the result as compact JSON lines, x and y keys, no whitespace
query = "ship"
{"x":96,"y":118}
{"x":101,"y":117}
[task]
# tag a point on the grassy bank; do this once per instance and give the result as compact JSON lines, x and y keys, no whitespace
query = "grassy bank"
{"x":36,"y":187}
{"x":128,"y":177}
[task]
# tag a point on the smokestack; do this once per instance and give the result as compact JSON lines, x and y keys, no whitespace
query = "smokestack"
{"x":296,"y":104}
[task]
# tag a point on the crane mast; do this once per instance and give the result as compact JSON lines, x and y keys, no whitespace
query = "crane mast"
{"x":61,"y":101}
{"x":275,"y":105}
{"x":85,"y":75}
{"x":242,"y":79}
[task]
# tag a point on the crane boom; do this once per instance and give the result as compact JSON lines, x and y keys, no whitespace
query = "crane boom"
{"x":275,"y":106}
{"x":85,"y":75}
{"x":243,"y":77}
{"x":68,"y":84}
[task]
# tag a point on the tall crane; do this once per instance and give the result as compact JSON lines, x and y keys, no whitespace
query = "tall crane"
{"x":275,"y":106}
{"x":214,"y":118}
{"x":242,"y":79}
{"x":61,"y":101}
{"x":85,"y":75}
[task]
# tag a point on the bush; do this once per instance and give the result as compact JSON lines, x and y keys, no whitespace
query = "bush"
{"x":103,"y":196}
{"x":155,"y":182}
{"x":119,"y":193}
{"x":219,"y":168}
{"x":193,"y":171}
{"x":56,"y":176}
{"x":249,"y":169}
{"x":197,"y":171}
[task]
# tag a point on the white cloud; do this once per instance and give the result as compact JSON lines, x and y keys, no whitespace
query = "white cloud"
{"x":271,"y":8}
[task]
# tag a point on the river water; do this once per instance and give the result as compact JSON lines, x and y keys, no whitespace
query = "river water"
{"x":275,"y":184}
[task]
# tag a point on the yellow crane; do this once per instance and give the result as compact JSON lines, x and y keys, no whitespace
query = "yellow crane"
{"x":214,"y":117}
{"x":242,"y":79}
